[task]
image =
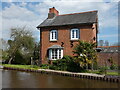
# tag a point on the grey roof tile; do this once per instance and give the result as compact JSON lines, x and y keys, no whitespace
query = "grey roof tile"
{"x":78,"y":18}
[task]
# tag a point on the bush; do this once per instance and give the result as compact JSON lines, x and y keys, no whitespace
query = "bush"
{"x":102,"y":70}
{"x":113,"y":66}
{"x":53,"y":67}
{"x":44,"y":66}
{"x":67,"y":63}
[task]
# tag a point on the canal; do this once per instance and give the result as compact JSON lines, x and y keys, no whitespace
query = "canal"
{"x":18,"y":79}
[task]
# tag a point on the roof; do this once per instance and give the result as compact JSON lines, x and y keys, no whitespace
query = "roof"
{"x":55,"y":47}
{"x":110,"y":48}
{"x":69,"y":19}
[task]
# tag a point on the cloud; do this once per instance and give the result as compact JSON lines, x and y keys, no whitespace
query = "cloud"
{"x":16,"y":16}
{"x":32,"y":14}
{"x":16,"y":12}
{"x":59,"y":0}
{"x":104,"y":10}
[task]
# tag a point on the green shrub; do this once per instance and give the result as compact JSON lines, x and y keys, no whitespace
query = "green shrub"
{"x":113,"y":66}
{"x":102,"y":70}
{"x":53,"y":67}
{"x":44,"y":66}
{"x":67,"y":63}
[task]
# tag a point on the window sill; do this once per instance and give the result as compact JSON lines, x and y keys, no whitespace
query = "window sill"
{"x":53,"y":40}
{"x":53,"y":59}
{"x":74,"y":39}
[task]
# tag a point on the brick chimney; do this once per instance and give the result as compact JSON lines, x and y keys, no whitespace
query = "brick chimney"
{"x":52,"y":13}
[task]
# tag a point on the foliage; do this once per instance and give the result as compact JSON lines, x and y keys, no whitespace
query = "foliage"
{"x":36,"y":53}
{"x":67,"y":63}
{"x":102,"y":70}
{"x":86,"y":54}
{"x":113,"y":67}
{"x":21,"y":45}
{"x":4,"y":55}
{"x":44,"y":66}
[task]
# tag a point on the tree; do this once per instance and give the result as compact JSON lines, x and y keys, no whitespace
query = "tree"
{"x":86,"y":54}
{"x":36,"y":53}
{"x":21,"y":43}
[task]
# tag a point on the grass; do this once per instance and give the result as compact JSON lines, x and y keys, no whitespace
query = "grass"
{"x":22,"y":66}
{"x":34,"y":67}
{"x":107,"y":73}
{"x":113,"y":73}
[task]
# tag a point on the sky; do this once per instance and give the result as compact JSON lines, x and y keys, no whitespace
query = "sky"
{"x":30,"y":13}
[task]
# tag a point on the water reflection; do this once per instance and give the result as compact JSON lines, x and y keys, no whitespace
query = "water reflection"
{"x":17,"y":79}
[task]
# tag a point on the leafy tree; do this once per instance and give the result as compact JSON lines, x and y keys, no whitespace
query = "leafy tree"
{"x":86,"y":54}
{"x":36,"y":53}
{"x":21,"y":43}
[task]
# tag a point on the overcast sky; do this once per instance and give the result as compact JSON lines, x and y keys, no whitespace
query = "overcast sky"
{"x":33,"y":12}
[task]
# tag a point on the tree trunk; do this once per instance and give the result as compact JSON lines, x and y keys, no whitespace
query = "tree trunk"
{"x":10,"y":60}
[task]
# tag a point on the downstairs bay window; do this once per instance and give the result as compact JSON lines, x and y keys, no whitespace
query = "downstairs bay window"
{"x":55,"y":54}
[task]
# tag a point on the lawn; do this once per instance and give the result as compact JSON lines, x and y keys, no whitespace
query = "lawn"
{"x":113,"y":73}
{"x":45,"y":67}
{"x":22,"y":66}
{"x":107,"y":73}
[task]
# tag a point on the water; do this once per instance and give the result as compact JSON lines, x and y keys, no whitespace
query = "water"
{"x":18,"y":79}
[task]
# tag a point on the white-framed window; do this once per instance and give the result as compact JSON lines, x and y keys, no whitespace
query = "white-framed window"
{"x":55,"y":54}
{"x":53,"y":35}
{"x":75,"y":34}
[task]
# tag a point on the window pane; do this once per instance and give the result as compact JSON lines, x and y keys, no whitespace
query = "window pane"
{"x":52,"y":35}
{"x":56,"y":54}
{"x":76,"y":33}
{"x":72,"y":33}
{"x":59,"y":53}
{"x":52,"y":54}
{"x":55,"y":35}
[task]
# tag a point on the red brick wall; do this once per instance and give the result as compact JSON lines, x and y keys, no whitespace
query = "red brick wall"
{"x":86,"y":34}
{"x":103,"y":57}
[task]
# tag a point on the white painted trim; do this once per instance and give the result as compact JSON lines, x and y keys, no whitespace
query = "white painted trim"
{"x":61,"y":53}
{"x":54,"y":39}
{"x":75,"y":33}
{"x":58,"y":53}
{"x":50,"y":54}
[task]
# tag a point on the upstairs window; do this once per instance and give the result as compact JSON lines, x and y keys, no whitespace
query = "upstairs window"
{"x":75,"y":34}
{"x":53,"y":35}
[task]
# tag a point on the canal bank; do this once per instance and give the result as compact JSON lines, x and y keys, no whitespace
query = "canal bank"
{"x":107,"y":78}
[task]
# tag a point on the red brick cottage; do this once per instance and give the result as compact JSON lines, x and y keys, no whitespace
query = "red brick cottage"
{"x":60,"y":33}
